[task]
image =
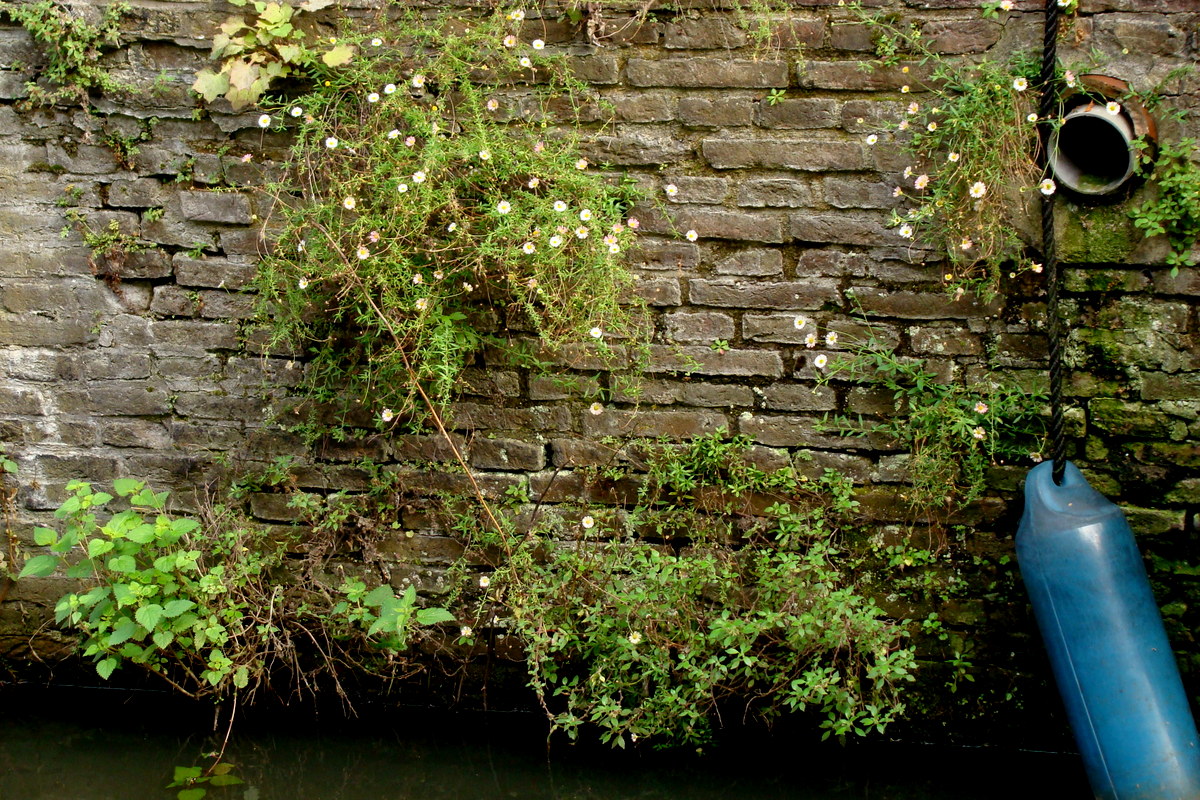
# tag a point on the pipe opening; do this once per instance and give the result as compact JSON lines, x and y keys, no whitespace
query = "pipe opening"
{"x":1092,"y":152}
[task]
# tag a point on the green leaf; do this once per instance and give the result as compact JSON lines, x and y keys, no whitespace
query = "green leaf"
{"x":149,"y":615}
{"x":105,"y":668}
{"x":379,"y":595}
{"x":39,"y":567}
{"x":289,"y":52}
{"x":433,"y":616}
{"x":194,"y":793}
{"x":176,"y":607}
{"x":241,"y":677}
{"x":338,"y":56}
{"x":142,"y":534}
{"x":126,"y":486}
{"x":226,"y":780}
{"x":122,"y":564}
{"x":98,"y":547}
{"x":185,"y":774}
{"x":163,"y":639}
{"x":45,"y":537}
{"x":122,"y":632}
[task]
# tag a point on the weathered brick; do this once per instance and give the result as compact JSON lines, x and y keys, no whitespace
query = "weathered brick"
{"x":841,"y":228}
{"x":120,"y":363}
{"x":477,"y":416}
{"x":562,"y":387}
{"x":203,"y":335}
{"x":776,"y":328}
{"x":20,"y":400}
{"x":151,"y":434}
{"x":705,"y":361}
{"x":808,"y":156}
{"x":698,"y":326}
{"x":759,"y":262}
{"x":656,"y":254}
{"x":672,"y":424}
{"x":841,"y":193}
{"x":579,"y":453}
{"x":799,"y":397}
{"x":740,"y":226}
{"x":918,"y":305}
{"x":716,"y":395}
{"x":216,"y":272}
{"x":807,"y":294}
{"x":35,"y":364}
{"x":33,"y":330}
{"x":637,"y":147}
{"x":510,"y":454}
{"x":789,"y":431}
{"x":1132,"y":419}
{"x":709,"y":73}
{"x":698,"y":190}
{"x":1139,"y":33}
{"x":945,"y":340}
{"x":127,"y":399}
{"x":722,"y":111}
{"x":138,"y":193}
{"x":642,"y":107}
{"x":961,"y":35}
{"x":775,"y":192}
{"x":224,"y":207}
{"x":702,"y":34}
{"x":847,"y":75}
{"x":798,"y":114}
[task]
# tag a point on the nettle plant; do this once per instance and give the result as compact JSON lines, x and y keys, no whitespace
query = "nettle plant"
{"x":971,"y":132}
{"x":718,"y":588}
{"x":436,"y":201}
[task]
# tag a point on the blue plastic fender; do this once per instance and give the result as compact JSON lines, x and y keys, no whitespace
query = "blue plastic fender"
{"x":1102,"y":630}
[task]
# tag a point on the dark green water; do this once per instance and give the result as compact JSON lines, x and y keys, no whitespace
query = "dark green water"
{"x":74,"y":745}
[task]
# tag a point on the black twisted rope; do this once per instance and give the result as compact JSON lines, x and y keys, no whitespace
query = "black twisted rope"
{"x":1046,"y":112}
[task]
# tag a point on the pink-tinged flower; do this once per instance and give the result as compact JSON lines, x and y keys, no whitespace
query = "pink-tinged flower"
{"x":581,"y":164}
{"x":978,"y":189}
{"x":913,"y":107}
{"x":966,"y":243}
{"x":1006,"y":5}
{"x":373,"y":237}
{"x":410,"y":141}
{"x":953,"y":158}
{"x":540,"y":147}
{"x":633,"y":223}
{"x":510,"y":41}
{"x":493,"y":104}
{"x":1069,"y":77}
{"x":246,"y":159}
{"x":897,"y":192}
{"x":422,"y":303}
{"x":908,"y":171}
{"x":417,"y":279}
{"x":1047,"y":187}
{"x":534,"y":182}
{"x":981,"y":407}
{"x":979,"y":433}
{"x":903,"y":125}
{"x":418,"y":81}
{"x":921,"y":182}
{"x":596,"y":409}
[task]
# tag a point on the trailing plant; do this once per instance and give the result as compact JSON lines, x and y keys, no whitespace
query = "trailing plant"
{"x":434,"y":205}
{"x":73,"y":49}
{"x":1173,"y":209}
{"x":970,"y":129}
{"x":952,"y":431}
{"x":197,"y":602}
{"x":720,"y":587}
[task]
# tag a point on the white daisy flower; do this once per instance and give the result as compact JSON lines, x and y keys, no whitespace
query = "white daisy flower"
{"x":393,"y":134}
{"x":525,"y":62}
{"x":402,"y":188}
{"x":953,"y":158}
{"x":537,"y":44}
{"x":831,"y":338}
{"x":485,"y":155}
{"x":581,"y":164}
{"x":422,"y":303}
{"x":596,"y":409}
{"x":671,"y":189}
{"x":264,"y":121}
{"x":820,"y":361}
{"x":979,"y":433}
{"x":799,"y":323}
{"x":386,"y":415}
{"x":418,"y":81}
{"x":810,"y":340}
{"x":533,"y":183}
{"x":302,"y":283}
{"x":503,"y":207}
{"x":1047,"y":187}
{"x":349,"y":203}
{"x":493,"y":104}
{"x":872,"y":139}
{"x":362,"y":252}
{"x":978,"y":189}
{"x":331,"y":142}
{"x":585,"y":215}
{"x":691,"y":236}
{"x":389,"y":89}
{"x":1112,"y":107}
{"x":981,"y":407}
{"x":376,"y":42}
{"x":556,"y":240}
{"x":484,"y":581}
{"x":596,"y":333}
{"x":588,"y":522}
{"x":510,"y":41}
{"x":581,"y":232}
{"x":921,"y":182}
{"x":419,"y":176}
{"x":1020,"y":84}
{"x":296,"y":111}
{"x":560,"y":206}
{"x":373,"y":97}
{"x":528,"y":248}
{"x":635,"y":637}
{"x":410,"y":141}
{"x":517,"y":15}
{"x":906,"y":231}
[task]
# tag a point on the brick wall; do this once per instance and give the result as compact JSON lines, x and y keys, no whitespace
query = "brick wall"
{"x":161,"y":377}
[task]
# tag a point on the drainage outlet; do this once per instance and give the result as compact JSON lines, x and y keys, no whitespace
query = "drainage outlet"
{"x":1092,"y":152}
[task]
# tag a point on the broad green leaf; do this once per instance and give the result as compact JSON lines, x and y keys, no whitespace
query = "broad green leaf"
{"x":177,"y":607}
{"x":184,"y":774}
{"x":122,"y":632}
{"x":39,"y":567}
{"x":289,"y":52}
{"x":142,"y":534}
{"x":105,"y":668}
{"x":100,"y":498}
{"x":338,"y":56}
{"x":163,"y":639}
{"x":194,"y":793}
{"x":122,"y":564}
{"x":149,"y":615}
{"x":433,"y":616}
{"x":98,"y":547}
{"x":184,"y":525}
{"x":226,"y":780}
{"x":379,"y":595}
{"x":44,"y":537}
{"x":241,"y":677}
{"x":126,"y":486}
{"x":124,"y":595}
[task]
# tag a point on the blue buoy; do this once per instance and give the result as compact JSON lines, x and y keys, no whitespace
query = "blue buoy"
{"x":1109,"y":651}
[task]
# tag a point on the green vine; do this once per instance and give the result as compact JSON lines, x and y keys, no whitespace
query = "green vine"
{"x":1173,"y":210}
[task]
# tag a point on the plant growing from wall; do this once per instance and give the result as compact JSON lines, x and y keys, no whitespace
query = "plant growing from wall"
{"x":73,"y":49}
{"x":721,"y":586}
{"x":195,"y":602}
{"x":434,"y":204}
{"x":1173,"y":210}
{"x":952,"y":431}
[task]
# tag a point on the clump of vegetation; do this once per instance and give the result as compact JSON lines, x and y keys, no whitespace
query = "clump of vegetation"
{"x":1174,"y":209}
{"x":73,"y":49}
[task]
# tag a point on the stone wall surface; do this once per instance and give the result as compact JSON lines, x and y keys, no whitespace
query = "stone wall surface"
{"x":160,"y":376}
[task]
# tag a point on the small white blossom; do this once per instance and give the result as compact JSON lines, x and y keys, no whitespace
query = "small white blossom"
{"x":978,"y":189}
{"x":905,"y":89}
{"x":596,"y":333}
{"x":585,"y":215}
{"x":820,"y":361}
{"x":503,"y":207}
{"x":534,"y":182}
{"x":633,"y":223}
{"x":872,"y":139}
{"x":349,"y":203}
{"x":671,"y":189}
{"x":1047,"y":187}
{"x":419,"y":176}
{"x":418,"y":81}
{"x":953,"y":158}
{"x":903,"y":125}
{"x":560,"y":206}
{"x":1031,"y":117}
{"x":264,"y":121}
{"x":485,"y":155}
{"x":389,"y":89}
{"x":465,"y":631}
{"x":691,"y":236}
{"x":921,"y":182}
{"x":393,"y":134}
{"x":510,"y":41}
{"x":799,"y":322}
{"x":635,"y":638}
{"x":587,"y":523}
{"x":484,"y":581}
{"x":402,"y":188}
{"x":417,"y":279}
{"x":331,"y":142}
{"x":528,"y":248}
{"x":810,"y":341}
{"x":831,"y":338}
{"x":422,"y":303}
{"x":981,"y":407}
{"x":362,"y":252}
{"x":302,"y":283}
{"x":373,"y":97}
{"x":493,"y":104}
{"x":410,"y":141}
{"x":386,"y":415}
{"x":913,"y":107}
{"x":1113,"y":107}
{"x":931,"y":127}
{"x":906,"y":231}
{"x":296,"y":111}
{"x":596,"y":410}
{"x":537,"y":44}
{"x":581,"y":232}
{"x":556,"y":240}
{"x":1006,"y":5}
{"x":376,"y":42}
{"x":1020,"y":84}
{"x":516,"y":15}
{"x":979,"y":433}
{"x":581,"y":164}
{"x":525,"y":62}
